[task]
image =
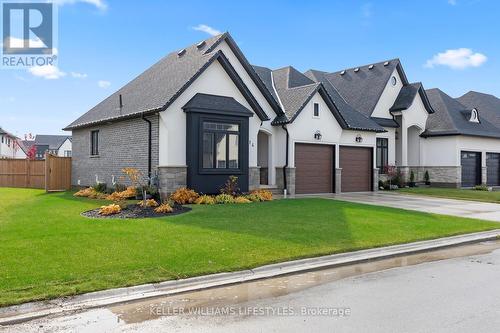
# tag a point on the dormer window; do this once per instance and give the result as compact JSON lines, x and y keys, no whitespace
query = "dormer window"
{"x":474,"y":117}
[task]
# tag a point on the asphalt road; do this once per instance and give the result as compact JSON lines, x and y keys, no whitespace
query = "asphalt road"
{"x":452,"y":290}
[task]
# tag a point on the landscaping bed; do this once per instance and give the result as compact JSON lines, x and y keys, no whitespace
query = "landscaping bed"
{"x":134,"y":211}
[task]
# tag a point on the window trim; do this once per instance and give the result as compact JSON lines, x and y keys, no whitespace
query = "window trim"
{"x":382,"y":147}
{"x":94,"y":146}
{"x":316,"y":108}
{"x":214,"y":170}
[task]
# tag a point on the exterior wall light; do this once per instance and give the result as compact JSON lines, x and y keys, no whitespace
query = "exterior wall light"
{"x":359,"y":138}
{"x":317,"y":135}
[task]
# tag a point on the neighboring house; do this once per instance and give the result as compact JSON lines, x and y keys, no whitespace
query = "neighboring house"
{"x":59,"y":145}
{"x":204,"y":113}
{"x":10,"y":145}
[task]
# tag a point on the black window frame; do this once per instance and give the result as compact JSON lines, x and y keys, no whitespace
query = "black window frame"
{"x":382,"y":150}
{"x":214,"y":169}
{"x":94,"y":143}
{"x":316,"y":110}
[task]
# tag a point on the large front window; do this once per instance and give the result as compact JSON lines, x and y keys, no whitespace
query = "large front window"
{"x":220,"y":145}
{"x":382,"y":154}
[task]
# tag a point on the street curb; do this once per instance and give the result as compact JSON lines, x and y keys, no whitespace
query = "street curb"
{"x":29,"y":311}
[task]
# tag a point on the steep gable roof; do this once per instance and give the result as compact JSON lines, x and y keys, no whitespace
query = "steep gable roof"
{"x":54,"y":142}
{"x":354,"y":119}
{"x":452,"y":118}
{"x":157,"y":87}
{"x":362,"y":86}
{"x":407,"y":95}
{"x":487,"y":105}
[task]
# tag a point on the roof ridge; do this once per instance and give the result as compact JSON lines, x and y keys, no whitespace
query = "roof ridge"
{"x":367,"y":65}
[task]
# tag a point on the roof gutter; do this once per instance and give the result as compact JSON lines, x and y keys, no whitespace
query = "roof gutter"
{"x":149,"y":146}
{"x":285,"y":183}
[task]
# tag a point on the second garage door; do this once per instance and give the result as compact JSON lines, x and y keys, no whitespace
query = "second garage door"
{"x":493,"y":165}
{"x":471,"y":168}
{"x":313,"y":168}
{"x":356,"y":164}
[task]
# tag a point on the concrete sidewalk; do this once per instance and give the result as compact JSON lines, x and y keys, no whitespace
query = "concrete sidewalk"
{"x":427,"y":204}
{"x":29,"y":311}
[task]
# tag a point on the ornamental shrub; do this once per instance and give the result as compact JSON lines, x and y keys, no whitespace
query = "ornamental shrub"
{"x":264,"y":195}
{"x":205,"y":200}
{"x":241,"y":200}
{"x":224,"y":199}
{"x":110,"y":210}
{"x":164,"y":208}
{"x":148,"y":203}
{"x":184,"y":196}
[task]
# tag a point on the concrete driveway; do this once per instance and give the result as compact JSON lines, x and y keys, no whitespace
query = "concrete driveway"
{"x":461,"y":208}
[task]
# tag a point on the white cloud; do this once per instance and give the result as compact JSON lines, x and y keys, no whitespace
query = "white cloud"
{"x":452,"y":2}
{"x":77,"y":75}
{"x":48,"y":72}
{"x":207,"y":29}
{"x":103,"y":84}
{"x":99,"y":4}
{"x":457,"y":59}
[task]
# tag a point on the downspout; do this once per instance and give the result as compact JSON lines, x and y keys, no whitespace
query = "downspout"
{"x":149,"y":146}
{"x":285,"y":184}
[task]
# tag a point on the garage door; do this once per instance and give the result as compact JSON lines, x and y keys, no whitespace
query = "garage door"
{"x":313,"y":168}
{"x":356,"y":164}
{"x":471,"y":168}
{"x":493,"y":165}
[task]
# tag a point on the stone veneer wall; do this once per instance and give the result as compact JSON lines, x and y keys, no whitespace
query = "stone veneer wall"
{"x":171,"y":178}
{"x":290,"y":176}
{"x":440,"y":176}
{"x":121,"y":144}
{"x":253,"y":178}
{"x":338,"y":180}
{"x":375,"y":179}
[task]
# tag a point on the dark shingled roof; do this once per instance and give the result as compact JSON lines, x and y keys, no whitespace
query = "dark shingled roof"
{"x":487,"y":105}
{"x":405,"y":97}
{"x":215,"y":102}
{"x":162,"y":83}
{"x":362,"y":89}
{"x":152,"y":89}
{"x":353,"y":118}
{"x":385,"y":122}
{"x":265,"y":75}
{"x":452,"y":118}
{"x":52,"y":141}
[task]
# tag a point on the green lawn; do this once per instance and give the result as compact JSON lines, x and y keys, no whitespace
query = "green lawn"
{"x":453,"y":193}
{"x":47,"y":249}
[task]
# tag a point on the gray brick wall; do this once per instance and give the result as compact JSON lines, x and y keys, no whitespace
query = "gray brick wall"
{"x":121,"y":144}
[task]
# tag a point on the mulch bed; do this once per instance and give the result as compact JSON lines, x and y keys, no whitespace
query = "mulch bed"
{"x":134,"y":211}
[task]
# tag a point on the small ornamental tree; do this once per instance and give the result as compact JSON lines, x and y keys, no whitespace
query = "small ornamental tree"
{"x":31,"y":154}
{"x":391,"y":171}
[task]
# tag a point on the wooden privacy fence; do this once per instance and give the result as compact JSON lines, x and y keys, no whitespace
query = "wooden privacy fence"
{"x":51,"y":174}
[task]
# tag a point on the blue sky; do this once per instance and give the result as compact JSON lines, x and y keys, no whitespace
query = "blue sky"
{"x":450,"y":44}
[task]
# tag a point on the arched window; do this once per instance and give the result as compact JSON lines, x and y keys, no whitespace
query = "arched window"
{"x":474,"y":117}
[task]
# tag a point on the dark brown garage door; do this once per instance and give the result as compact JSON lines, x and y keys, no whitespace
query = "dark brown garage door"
{"x":313,"y":168}
{"x":356,"y":164}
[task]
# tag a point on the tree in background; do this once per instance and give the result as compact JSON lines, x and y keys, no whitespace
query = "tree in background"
{"x":31,"y":154}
